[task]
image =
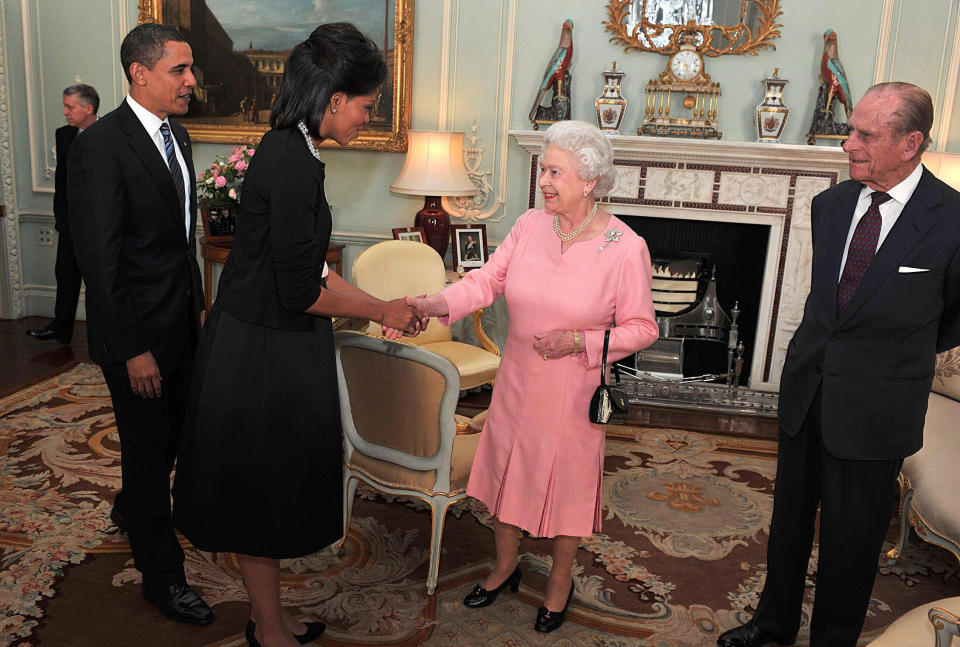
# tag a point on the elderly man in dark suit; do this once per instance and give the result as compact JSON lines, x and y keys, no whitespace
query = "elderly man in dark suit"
{"x":132,"y":178}
{"x":80,"y":105}
{"x":884,"y":299}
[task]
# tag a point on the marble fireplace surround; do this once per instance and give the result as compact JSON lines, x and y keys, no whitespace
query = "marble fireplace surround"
{"x":736,"y":182}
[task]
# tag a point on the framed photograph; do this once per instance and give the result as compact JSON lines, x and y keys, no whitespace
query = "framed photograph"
{"x":410,"y":233}
{"x":240,"y":50}
{"x":469,"y":245}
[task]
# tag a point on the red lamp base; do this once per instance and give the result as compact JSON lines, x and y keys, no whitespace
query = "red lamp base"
{"x":435,"y":222}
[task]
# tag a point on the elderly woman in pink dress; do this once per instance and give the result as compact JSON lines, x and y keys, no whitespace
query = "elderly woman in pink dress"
{"x":568,"y":272}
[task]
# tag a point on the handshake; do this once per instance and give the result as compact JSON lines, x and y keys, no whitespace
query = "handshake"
{"x":409,"y":316}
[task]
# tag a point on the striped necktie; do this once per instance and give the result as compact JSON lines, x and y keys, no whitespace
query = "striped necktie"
{"x":172,"y":163}
{"x":863,"y":246}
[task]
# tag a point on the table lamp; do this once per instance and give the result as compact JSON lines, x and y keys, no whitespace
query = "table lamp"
{"x":434,"y":168}
{"x":944,"y":166}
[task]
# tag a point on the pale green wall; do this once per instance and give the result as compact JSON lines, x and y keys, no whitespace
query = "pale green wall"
{"x":474,"y":68}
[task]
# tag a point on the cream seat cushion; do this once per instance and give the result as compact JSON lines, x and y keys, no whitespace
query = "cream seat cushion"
{"x":914,"y":629}
{"x":933,"y":470}
{"x":475,"y":365}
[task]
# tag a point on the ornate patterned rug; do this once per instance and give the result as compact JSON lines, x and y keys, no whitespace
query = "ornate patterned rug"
{"x":681,"y":556}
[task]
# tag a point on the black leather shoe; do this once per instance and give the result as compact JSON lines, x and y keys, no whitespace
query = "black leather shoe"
{"x":179,"y":602}
{"x":480,"y":597}
{"x":547,"y":621}
{"x":46,"y":334}
{"x":43,"y":334}
{"x":749,"y":635}
{"x":314,"y":629}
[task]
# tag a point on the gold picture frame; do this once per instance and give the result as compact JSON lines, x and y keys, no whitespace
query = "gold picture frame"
{"x":244,"y":122}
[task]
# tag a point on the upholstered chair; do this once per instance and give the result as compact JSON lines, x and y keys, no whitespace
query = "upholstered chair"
{"x":929,"y":625}
{"x":400,"y":432}
{"x":929,"y":479}
{"x":403,"y":268}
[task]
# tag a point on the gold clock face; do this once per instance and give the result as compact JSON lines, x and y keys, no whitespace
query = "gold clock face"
{"x":685,"y":64}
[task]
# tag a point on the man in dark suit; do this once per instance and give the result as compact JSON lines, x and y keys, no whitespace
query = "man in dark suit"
{"x":80,"y":105}
{"x":884,"y":299}
{"x":132,"y":180}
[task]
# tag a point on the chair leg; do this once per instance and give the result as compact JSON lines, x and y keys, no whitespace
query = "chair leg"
{"x":349,"y":491}
{"x":906,"y":500}
{"x":945,"y":626}
{"x":438,"y":515}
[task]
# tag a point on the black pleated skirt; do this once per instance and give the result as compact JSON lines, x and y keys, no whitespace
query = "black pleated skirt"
{"x":259,"y":470}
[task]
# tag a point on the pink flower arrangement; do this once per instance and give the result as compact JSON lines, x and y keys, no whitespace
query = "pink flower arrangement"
{"x":219,"y":185}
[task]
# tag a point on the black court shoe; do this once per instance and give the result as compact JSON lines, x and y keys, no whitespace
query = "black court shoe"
{"x":314,"y":629}
{"x":480,"y":597}
{"x":547,"y":621}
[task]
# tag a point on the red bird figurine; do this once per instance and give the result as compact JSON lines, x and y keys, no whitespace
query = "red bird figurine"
{"x":556,"y":68}
{"x":833,"y":74}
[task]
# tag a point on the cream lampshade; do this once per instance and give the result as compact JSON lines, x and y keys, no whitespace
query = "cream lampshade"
{"x":434,"y":168}
{"x":945,"y":166}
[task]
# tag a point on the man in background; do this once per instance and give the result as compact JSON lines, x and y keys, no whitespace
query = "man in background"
{"x":884,"y":300}
{"x":80,"y":105}
{"x":133,"y":210}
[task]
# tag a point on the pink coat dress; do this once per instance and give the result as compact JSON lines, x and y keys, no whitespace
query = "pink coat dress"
{"x":539,"y":463}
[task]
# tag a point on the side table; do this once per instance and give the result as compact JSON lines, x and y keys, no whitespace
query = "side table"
{"x":218,"y":252}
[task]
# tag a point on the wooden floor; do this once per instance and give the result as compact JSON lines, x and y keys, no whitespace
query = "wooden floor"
{"x":24,"y":360}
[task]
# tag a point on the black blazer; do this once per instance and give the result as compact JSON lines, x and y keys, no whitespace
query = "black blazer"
{"x":64,"y":138}
{"x":144,"y":291}
{"x":876,"y":361}
{"x":273,"y":273}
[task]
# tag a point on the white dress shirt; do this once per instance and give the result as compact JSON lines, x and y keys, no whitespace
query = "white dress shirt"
{"x":80,"y":130}
{"x":889,"y":210}
{"x":151,"y":123}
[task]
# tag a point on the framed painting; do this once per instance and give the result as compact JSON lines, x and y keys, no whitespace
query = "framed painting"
{"x":240,"y":50}
{"x":469,"y":246}
{"x":410,"y":233}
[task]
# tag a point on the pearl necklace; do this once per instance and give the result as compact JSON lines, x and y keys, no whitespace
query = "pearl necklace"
{"x":579,"y":230}
{"x":306,"y":135}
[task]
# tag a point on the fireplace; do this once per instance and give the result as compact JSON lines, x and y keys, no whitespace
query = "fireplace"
{"x":735,"y":253}
{"x":746,"y":205}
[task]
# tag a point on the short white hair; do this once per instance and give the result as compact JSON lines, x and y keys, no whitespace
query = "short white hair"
{"x":590,"y":147}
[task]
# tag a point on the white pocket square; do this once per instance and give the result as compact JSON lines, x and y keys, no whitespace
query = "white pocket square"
{"x":910,"y":270}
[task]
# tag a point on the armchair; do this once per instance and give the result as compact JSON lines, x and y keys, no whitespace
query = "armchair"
{"x":400,"y":433}
{"x":929,"y":625}
{"x":929,"y":479}
{"x":401,"y":268}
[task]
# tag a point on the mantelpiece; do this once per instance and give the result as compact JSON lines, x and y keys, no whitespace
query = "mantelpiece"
{"x":736,"y":182}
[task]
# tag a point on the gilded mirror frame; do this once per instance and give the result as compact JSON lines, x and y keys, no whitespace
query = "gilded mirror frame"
{"x":401,"y":82}
{"x":741,"y":39}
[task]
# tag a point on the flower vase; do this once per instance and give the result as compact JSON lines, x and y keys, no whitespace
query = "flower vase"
{"x":610,"y":104}
{"x":772,"y":114}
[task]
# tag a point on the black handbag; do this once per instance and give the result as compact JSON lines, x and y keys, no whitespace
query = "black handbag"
{"x":607,"y":399}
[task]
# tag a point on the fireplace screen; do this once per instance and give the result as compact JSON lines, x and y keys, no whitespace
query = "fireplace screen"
{"x":688,"y":312}
{"x":698,"y":361}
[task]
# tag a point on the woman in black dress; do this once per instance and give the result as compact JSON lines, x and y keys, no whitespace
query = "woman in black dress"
{"x":259,"y":470}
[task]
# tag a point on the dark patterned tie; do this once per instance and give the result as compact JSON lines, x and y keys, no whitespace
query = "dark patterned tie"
{"x":172,"y":163}
{"x":863,"y":246}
